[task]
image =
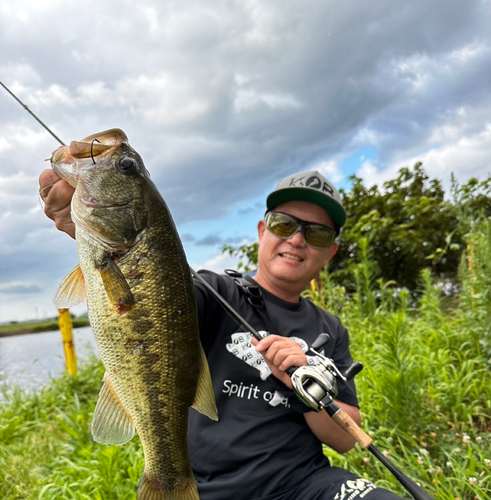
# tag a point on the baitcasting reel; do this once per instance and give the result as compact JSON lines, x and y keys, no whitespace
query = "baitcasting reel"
{"x":315,"y":385}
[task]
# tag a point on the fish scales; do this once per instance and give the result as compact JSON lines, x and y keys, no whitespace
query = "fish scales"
{"x":142,"y":310}
{"x":142,"y":360}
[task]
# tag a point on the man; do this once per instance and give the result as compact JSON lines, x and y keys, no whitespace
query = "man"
{"x":267,"y":445}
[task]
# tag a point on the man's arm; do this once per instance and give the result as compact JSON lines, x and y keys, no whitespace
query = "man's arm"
{"x":57,"y":196}
{"x":281,"y":353}
{"x":329,"y":432}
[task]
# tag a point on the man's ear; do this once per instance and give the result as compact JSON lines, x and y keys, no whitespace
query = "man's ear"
{"x":331,"y":251}
{"x":261,"y":227}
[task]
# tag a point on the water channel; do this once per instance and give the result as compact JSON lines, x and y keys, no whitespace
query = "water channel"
{"x":31,"y":360}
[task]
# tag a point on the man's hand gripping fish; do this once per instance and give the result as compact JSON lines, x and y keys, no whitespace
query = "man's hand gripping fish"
{"x":133,"y":272}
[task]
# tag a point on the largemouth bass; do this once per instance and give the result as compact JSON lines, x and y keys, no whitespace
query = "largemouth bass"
{"x":140,"y":299}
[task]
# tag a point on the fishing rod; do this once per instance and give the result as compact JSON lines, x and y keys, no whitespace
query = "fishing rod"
{"x":316,"y":387}
{"x":29,"y":111}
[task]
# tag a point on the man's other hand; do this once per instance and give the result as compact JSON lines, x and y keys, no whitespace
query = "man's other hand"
{"x":57,"y":196}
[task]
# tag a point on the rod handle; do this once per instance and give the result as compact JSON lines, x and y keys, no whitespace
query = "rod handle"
{"x":349,"y":425}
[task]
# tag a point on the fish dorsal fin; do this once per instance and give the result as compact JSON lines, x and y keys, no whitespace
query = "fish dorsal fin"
{"x":72,"y":290}
{"x":117,"y":289}
{"x":204,"y":399}
{"x":111,"y":423}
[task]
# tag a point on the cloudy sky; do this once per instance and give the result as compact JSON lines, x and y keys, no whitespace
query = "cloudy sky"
{"x":224,"y":98}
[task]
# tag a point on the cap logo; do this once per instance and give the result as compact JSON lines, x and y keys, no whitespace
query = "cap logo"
{"x":312,"y":182}
{"x":297,"y":182}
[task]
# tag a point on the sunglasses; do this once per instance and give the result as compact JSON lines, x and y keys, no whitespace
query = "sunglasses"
{"x":314,"y":235}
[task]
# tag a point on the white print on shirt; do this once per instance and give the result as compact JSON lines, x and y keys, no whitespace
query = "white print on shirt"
{"x":252,"y":391}
{"x":242,"y":347}
{"x":354,"y":488}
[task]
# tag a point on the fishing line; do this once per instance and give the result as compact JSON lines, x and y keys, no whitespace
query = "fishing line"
{"x":46,"y":127}
{"x":415,"y":490}
{"x":40,"y":192}
{"x":336,"y":413}
{"x":29,"y":111}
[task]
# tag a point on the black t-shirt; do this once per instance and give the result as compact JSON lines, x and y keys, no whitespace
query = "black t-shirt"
{"x":261,"y":444}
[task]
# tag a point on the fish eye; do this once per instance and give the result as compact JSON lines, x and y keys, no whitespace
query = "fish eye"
{"x":127,"y":165}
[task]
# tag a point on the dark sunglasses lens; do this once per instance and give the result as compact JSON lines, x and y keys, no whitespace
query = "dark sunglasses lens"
{"x":281,"y":225}
{"x":285,"y":226}
{"x":319,"y":236}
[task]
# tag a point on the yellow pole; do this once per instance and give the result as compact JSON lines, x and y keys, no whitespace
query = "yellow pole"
{"x":313,"y":285}
{"x":65,"y":323}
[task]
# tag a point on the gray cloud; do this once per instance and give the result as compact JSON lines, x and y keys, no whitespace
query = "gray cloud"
{"x":234,"y":240}
{"x":210,"y":240}
{"x":187,"y":237}
{"x":216,"y":240}
{"x":222,"y":100}
{"x":252,"y":209}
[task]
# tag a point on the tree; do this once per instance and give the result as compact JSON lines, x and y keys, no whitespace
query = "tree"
{"x":409,"y":223}
{"x":405,"y":222}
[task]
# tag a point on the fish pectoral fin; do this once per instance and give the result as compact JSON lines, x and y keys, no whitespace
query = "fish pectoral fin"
{"x":111,"y":423}
{"x":204,"y":399}
{"x":117,"y":289}
{"x":72,"y":290}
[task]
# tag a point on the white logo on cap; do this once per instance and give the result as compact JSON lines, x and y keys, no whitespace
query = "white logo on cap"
{"x":312,"y":182}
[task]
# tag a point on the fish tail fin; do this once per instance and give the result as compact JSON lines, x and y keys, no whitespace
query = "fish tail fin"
{"x":152,"y":489}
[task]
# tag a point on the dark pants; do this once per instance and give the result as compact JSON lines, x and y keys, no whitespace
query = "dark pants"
{"x":334,"y":483}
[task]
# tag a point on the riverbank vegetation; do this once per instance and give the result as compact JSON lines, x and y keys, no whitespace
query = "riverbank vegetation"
{"x":425,"y":392}
{"x":15,"y":328}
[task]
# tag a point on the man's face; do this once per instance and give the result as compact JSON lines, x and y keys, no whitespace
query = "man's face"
{"x":284,"y":262}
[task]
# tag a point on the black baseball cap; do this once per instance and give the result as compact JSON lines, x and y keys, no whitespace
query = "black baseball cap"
{"x":313,"y":187}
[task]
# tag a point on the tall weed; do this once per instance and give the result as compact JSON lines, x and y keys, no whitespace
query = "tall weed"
{"x":475,"y":273}
{"x":425,"y":392}
{"x":425,"y":395}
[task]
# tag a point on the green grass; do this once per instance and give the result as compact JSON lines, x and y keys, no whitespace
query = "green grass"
{"x":47,"y":451}
{"x":425,"y":392}
{"x":425,"y":395}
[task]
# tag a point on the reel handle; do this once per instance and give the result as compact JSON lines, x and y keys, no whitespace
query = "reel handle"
{"x":353,"y":370}
{"x":320,"y":341}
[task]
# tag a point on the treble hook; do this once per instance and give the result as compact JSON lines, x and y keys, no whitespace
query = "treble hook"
{"x":91,"y":148}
